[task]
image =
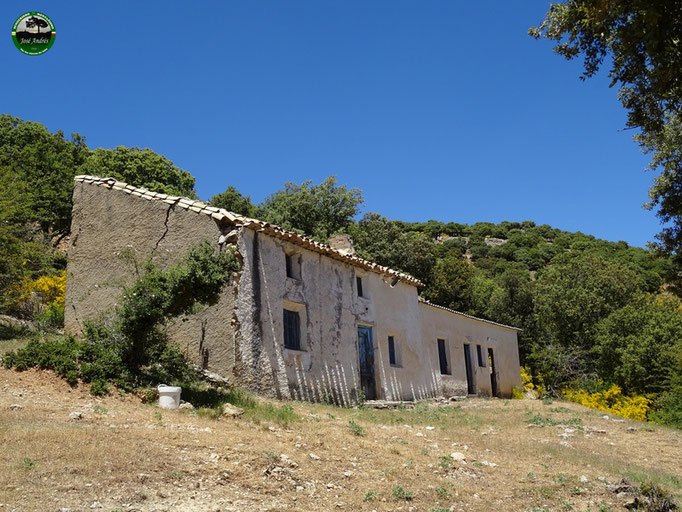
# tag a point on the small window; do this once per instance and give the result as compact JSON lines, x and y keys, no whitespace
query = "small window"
{"x":292,"y":330}
{"x":391,"y":351}
{"x":358,"y":280}
{"x":443,"y":358}
{"x":479,"y":352}
{"x":293,"y":265}
{"x":288,"y":263}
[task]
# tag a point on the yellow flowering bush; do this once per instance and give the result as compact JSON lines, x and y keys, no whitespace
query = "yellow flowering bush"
{"x":32,"y":296}
{"x":611,"y":400}
{"x":527,"y":385}
{"x":51,"y":289}
{"x":517,"y":394}
{"x":526,"y":378}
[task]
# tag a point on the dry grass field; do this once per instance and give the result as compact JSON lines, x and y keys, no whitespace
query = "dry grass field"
{"x":123,"y":455}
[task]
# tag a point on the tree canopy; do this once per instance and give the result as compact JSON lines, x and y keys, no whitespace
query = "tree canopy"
{"x":640,"y":41}
{"x":37,"y":168}
{"x":141,"y":167}
{"x":233,"y":201}
{"x":318,"y":211}
{"x":47,"y":162}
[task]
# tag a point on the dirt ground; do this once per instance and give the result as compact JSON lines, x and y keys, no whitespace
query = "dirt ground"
{"x":475,"y":455}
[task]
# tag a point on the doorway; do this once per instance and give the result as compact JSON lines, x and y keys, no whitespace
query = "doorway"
{"x":366,"y":354}
{"x":471,"y":388}
{"x":493,"y":372}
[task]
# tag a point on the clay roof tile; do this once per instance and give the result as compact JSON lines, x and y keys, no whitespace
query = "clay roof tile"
{"x":220,"y":215}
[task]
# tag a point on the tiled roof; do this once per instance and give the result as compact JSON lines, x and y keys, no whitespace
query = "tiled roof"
{"x":222,"y":215}
{"x":423,"y":301}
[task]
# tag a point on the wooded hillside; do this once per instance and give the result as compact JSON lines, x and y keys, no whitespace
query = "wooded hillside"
{"x":594,"y":313}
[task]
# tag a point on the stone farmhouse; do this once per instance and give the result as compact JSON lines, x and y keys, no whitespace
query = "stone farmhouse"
{"x":301,"y":320}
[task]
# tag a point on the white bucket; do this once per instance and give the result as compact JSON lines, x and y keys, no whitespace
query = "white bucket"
{"x":169,"y":396}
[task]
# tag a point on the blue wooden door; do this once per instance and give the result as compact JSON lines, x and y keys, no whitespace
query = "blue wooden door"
{"x":366,"y":353}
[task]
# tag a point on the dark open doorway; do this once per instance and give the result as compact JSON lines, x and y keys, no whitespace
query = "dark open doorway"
{"x":493,"y":373}
{"x":366,"y":353}
{"x":471,"y":388}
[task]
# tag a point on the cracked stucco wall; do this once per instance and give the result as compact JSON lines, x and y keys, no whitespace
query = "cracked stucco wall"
{"x":111,"y":231}
{"x":327,"y":366}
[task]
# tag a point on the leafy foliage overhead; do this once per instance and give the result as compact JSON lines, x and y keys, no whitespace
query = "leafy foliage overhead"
{"x":640,"y":41}
{"x":45,"y":164}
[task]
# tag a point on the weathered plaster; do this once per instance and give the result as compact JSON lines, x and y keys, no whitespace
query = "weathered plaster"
{"x":241,"y":337}
{"x":113,"y":233}
{"x":458,"y":330}
{"x":327,"y":366}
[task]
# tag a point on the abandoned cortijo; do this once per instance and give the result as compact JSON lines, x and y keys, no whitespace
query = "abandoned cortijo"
{"x":301,"y":320}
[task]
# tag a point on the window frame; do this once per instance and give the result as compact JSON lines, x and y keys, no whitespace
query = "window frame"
{"x":292,"y":265}
{"x":443,"y":356}
{"x":358,"y":287}
{"x":287,"y":327}
{"x":392,"y":352}
{"x":288,"y":265}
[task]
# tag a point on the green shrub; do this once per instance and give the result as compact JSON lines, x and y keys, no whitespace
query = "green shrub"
{"x":133,"y":349}
{"x":667,"y":408}
{"x":51,"y":317}
{"x":99,"y":387}
{"x":71,"y":377}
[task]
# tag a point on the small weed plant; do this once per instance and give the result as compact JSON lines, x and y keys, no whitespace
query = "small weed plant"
{"x":657,"y":499}
{"x":356,"y":429}
{"x":370,"y":495}
{"x":446,"y":462}
{"x":400,"y":493}
{"x":444,"y":491}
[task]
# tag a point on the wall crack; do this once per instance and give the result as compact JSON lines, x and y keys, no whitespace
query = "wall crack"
{"x":165,"y":224}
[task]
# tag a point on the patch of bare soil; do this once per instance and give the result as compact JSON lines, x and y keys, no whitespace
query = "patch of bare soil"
{"x":478,"y":455}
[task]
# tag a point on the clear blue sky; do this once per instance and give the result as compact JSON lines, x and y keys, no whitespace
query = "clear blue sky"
{"x":437,"y":109}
